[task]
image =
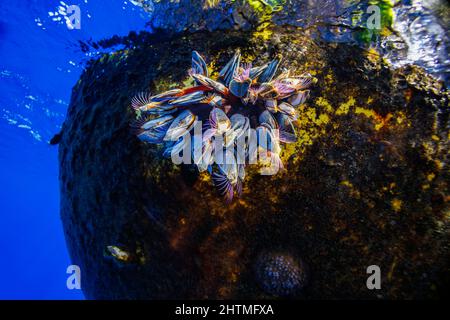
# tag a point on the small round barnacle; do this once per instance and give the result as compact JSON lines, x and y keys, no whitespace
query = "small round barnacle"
{"x":280,"y":274}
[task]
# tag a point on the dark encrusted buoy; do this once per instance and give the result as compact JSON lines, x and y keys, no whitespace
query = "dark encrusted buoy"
{"x":361,"y":186}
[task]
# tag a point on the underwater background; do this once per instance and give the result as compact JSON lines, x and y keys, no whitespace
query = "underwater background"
{"x":41,"y":59}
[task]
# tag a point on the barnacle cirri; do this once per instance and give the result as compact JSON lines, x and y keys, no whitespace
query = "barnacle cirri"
{"x":241,"y":118}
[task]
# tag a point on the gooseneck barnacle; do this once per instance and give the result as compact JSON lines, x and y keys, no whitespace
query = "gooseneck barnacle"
{"x":243,"y":117}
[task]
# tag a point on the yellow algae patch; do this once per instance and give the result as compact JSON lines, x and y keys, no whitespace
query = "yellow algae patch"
{"x":164,"y":85}
{"x":353,"y":192}
{"x":396,"y":204}
{"x":392,"y":268}
{"x":248,"y":57}
{"x":323,"y":119}
{"x":204,"y":176}
{"x":429,"y":150}
{"x":322,"y":102}
{"x":263,"y":34}
{"x":435,"y":137}
{"x":329,"y":79}
{"x":400,"y":117}
{"x":212,"y":69}
{"x":349,"y":106}
{"x":430,"y":177}
{"x":313,"y":121}
{"x":309,"y":116}
{"x":347,"y":183}
{"x":367,"y":112}
{"x":390,"y":187}
{"x":311,"y":125}
{"x":188,"y":82}
{"x":288,"y":150}
{"x":344,"y":108}
{"x":380,"y":122}
{"x":372,"y":54}
{"x":439,"y":164}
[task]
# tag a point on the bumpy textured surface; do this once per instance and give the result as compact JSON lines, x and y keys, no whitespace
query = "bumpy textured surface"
{"x":416,"y":35}
{"x":170,"y":15}
{"x":280,"y":274}
{"x":366,"y":183}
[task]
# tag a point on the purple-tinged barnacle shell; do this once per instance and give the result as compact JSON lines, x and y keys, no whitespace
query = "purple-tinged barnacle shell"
{"x":219,"y":120}
{"x":198,"y":64}
{"x":270,"y":71}
{"x":266,"y":118}
{"x":240,"y":88}
{"x":298,"y":98}
{"x":287,"y":131}
{"x":228,"y":72}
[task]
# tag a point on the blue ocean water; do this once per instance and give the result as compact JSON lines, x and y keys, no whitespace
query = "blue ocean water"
{"x":40,"y":61}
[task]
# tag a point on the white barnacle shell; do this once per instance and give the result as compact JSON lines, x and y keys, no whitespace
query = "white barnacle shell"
{"x":298,"y":98}
{"x":241,"y":171}
{"x":266,"y":118}
{"x":271,"y":105}
{"x":165,"y":96}
{"x":180,"y":126}
{"x":216,"y":86}
{"x":229,"y":167}
{"x":219,"y":120}
{"x":191,"y":98}
{"x":239,"y":124}
{"x":288,"y":110}
{"x":118,"y":253}
{"x":157,"y":122}
{"x":287,"y":131}
{"x":268,"y":139}
{"x":204,"y":157}
{"x":271,"y":164}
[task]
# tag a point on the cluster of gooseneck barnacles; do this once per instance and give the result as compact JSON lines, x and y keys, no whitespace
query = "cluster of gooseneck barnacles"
{"x":247,"y":112}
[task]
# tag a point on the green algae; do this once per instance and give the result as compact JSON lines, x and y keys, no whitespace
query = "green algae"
{"x":359,"y":18}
